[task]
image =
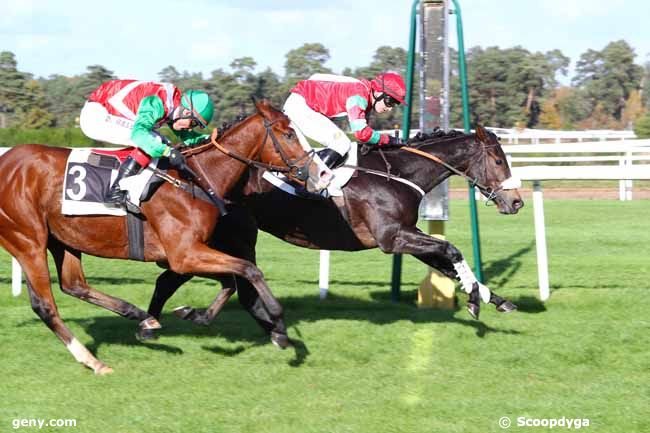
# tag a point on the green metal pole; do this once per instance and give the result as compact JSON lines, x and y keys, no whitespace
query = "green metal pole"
{"x":462,"y":69}
{"x":396,"y":280}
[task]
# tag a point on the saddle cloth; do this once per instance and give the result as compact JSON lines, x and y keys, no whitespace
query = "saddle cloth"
{"x":88,"y":176}
{"x":342,"y":176}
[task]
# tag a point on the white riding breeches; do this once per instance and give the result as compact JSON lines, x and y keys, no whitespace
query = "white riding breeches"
{"x":98,"y":124}
{"x":309,"y":123}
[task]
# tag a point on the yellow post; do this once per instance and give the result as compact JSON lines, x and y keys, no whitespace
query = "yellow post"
{"x":437,"y":290}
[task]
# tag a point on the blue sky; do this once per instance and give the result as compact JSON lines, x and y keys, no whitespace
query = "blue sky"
{"x":138,"y":38}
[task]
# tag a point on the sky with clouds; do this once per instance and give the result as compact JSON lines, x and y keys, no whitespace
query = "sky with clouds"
{"x":137,"y":39}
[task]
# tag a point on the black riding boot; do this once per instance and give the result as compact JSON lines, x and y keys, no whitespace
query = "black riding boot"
{"x":128,"y":168}
{"x":330,"y":157}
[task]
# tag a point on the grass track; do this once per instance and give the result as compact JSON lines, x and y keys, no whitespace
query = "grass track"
{"x":362,"y":363}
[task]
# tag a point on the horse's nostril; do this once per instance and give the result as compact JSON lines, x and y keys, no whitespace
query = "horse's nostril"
{"x":518,"y":204}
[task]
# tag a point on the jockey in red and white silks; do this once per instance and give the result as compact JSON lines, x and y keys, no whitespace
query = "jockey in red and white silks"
{"x":313,"y":102}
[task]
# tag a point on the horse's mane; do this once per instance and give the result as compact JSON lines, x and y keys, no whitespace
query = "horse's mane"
{"x":438,"y":134}
{"x":226,"y":126}
{"x":422,"y":138}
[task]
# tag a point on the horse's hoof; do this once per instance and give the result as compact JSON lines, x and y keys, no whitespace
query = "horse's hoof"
{"x":280,"y":340}
{"x":103,"y":370}
{"x":183,"y":311}
{"x":146,"y":334}
{"x":150,"y":323}
{"x":474,"y":310}
{"x":506,"y":307}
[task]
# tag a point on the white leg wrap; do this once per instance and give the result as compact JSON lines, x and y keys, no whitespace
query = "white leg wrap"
{"x":83,"y":355}
{"x":467,"y":280}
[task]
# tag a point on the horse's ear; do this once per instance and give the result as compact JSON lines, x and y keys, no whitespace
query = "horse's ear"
{"x":265,"y":108}
{"x":482,"y":133}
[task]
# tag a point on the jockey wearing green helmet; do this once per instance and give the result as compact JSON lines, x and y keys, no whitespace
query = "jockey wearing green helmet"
{"x":200,"y":106}
{"x":130,"y":112}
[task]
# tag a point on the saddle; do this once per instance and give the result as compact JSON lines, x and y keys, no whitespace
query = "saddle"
{"x":90,"y":173}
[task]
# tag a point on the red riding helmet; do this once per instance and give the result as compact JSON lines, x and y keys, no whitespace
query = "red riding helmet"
{"x":390,"y":83}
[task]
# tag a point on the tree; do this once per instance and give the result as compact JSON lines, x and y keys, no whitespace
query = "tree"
{"x":95,"y":76}
{"x":572,"y":105}
{"x":550,"y":118}
{"x":632,"y":110}
{"x":645,"y":85}
{"x":305,"y":61}
{"x":62,"y":99}
{"x":35,"y":115}
{"x":385,"y":59}
{"x":609,"y":76}
{"x":12,"y":88}
{"x":508,"y":86}
{"x":269,"y":85}
{"x":169,"y":74}
{"x":642,"y":126}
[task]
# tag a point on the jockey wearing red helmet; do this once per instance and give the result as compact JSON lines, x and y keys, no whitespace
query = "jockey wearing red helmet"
{"x":313,"y":102}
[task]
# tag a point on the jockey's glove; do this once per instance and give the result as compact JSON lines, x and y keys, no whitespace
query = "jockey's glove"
{"x":395,"y":142}
{"x":176,"y":159}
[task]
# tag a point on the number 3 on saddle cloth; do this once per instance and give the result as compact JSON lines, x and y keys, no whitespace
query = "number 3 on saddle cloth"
{"x":90,"y":173}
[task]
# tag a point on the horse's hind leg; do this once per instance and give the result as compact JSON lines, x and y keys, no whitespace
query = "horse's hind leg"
{"x":73,"y":282}
{"x":34,"y":263}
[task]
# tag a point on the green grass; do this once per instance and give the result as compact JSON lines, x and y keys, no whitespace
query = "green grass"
{"x":362,"y":363}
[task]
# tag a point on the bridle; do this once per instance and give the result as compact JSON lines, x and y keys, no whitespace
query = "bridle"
{"x":297,"y":168}
{"x":489,"y":192}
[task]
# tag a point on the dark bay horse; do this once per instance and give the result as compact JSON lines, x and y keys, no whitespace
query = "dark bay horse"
{"x":373,"y":212}
{"x":177,"y":225}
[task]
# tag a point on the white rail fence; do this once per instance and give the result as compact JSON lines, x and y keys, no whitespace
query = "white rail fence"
{"x":624,"y":161}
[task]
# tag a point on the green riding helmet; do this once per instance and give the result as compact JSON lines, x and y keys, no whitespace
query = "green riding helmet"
{"x":201,"y":106}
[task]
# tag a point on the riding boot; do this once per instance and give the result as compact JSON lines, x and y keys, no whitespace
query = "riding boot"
{"x":330,"y":157}
{"x":115,"y":194}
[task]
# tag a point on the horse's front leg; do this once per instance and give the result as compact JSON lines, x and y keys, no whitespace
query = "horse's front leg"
{"x":199,"y":259}
{"x":445,"y":257}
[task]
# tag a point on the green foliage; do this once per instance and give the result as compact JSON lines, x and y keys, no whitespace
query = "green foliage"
{"x":642,"y":126}
{"x":65,"y":137}
{"x":361,"y":363}
{"x":508,"y":87}
{"x":608,"y":76}
{"x":304,"y":61}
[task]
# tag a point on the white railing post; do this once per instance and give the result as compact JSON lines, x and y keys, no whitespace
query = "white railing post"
{"x":628,"y":182}
{"x":16,"y":277}
{"x":540,"y":241}
{"x":324,"y":273}
{"x":621,"y":182}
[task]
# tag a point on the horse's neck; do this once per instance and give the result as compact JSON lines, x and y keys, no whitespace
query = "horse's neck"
{"x":224,"y":171}
{"x":427,"y":173}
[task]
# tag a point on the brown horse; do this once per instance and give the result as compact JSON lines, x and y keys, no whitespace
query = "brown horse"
{"x":176,"y":229}
{"x":374,"y":212}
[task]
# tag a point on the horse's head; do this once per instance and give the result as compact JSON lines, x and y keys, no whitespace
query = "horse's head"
{"x":286,"y":150}
{"x":493,"y":178}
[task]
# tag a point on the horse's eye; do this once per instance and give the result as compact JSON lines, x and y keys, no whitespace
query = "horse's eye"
{"x":499,"y":161}
{"x":289,"y":135}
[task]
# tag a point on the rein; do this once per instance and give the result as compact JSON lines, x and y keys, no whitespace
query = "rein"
{"x":489,"y":192}
{"x":291,"y":167}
